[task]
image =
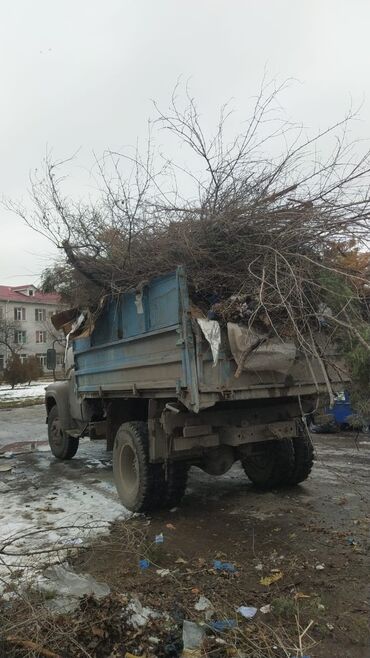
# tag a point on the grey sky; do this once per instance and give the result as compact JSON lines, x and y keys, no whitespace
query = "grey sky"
{"x":80,"y":74}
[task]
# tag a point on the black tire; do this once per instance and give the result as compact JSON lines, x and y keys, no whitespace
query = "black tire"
{"x":272,"y":466}
{"x":176,"y":481}
{"x":140,"y":485}
{"x":61,"y":445}
{"x":303,"y":456}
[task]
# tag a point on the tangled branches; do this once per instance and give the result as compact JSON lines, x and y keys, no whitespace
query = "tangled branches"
{"x":283,"y":233}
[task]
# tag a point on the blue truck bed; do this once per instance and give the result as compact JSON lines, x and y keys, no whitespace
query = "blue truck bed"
{"x":147,"y":343}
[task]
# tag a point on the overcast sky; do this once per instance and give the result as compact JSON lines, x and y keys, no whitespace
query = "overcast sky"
{"x":80,"y":74}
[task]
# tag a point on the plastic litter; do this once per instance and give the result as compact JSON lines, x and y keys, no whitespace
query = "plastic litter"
{"x":192,"y":635}
{"x":204,"y":605}
{"x":7,"y":454}
{"x":320,"y":567}
{"x":163,"y":572}
{"x":265,"y":609}
{"x":4,"y":468}
{"x":224,"y":566}
{"x":222,"y":625}
{"x":140,"y":614}
{"x":259,"y":567}
{"x":273,"y":578}
{"x":144,"y":564}
{"x":247,"y":611}
{"x":159,"y":539}
{"x":70,"y":586}
{"x":212,"y":332}
{"x":351,"y":541}
{"x":73,"y":541}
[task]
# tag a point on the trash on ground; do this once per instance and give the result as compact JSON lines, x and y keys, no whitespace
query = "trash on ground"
{"x":224,"y":566}
{"x":351,"y":541}
{"x":4,"y":468}
{"x":273,"y":578}
{"x":73,"y":541}
{"x":180,"y":560}
{"x":320,"y":567}
{"x":163,"y":572}
{"x":144,"y":564}
{"x":7,"y":454}
{"x":204,"y":605}
{"x":265,"y":609}
{"x":247,"y":611}
{"x":222,"y":625}
{"x":140,"y":615}
{"x":192,"y":635}
{"x":259,"y":567}
{"x":159,"y":539}
{"x":69,"y":586}
{"x":170,"y":526}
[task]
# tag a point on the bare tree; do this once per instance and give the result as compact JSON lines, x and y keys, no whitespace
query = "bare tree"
{"x":8,"y":330}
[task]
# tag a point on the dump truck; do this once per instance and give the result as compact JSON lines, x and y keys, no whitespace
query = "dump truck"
{"x":169,"y":389}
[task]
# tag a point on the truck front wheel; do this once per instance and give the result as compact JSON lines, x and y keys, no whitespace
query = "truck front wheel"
{"x":61,"y":445}
{"x":272,"y":465}
{"x":140,"y":485}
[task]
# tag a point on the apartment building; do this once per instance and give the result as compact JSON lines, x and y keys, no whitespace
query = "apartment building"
{"x":25,"y":319}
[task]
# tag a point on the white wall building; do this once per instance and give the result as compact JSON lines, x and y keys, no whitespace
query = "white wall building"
{"x":26,"y":312}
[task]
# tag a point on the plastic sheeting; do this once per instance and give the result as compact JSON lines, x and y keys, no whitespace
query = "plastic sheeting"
{"x":212,"y":332}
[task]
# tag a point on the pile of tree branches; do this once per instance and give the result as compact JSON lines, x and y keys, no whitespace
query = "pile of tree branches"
{"x":260,"y":219}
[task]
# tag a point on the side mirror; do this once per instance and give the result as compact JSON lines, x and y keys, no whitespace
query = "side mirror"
{"x":51,"y":359}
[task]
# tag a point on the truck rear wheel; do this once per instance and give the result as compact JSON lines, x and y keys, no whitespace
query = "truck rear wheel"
{"x":61,"y":445}
{"x":272,"y":465}
{"x":140,"y":485}
{"x":303,"y":456}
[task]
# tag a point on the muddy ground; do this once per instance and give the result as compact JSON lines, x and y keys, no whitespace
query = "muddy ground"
{"x":314,"y":539}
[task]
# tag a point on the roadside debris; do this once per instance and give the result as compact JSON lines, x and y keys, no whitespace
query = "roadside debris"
{"x":272,"y":578}
{"x":144,"y":564}
{"x":222,"y":625}
{"x":247,"y":611}
{"x":163,"y":572}
{"x":204,"y":605}
{"x":320,"y":567}
{"x":265,"y":609}
{"x":224,"y":566}
{"x":68,"y":587}
{"x":192,"y":635}
{"x":139,"y":614}
{"x":5,"y":468}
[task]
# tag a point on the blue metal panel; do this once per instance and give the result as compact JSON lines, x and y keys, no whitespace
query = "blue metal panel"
{"x":137,"y":340}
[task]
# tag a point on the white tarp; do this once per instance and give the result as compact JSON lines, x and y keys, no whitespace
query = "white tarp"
{"x":212,"y":332}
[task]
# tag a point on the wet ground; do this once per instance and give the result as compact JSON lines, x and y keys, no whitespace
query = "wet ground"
{"x":315,"y":537}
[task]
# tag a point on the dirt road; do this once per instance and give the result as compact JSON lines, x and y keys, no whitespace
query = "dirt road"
{"x":313,"y":538}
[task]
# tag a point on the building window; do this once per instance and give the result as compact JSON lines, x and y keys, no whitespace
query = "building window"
{"x":23,"y":357}
{"x":40,"y":314}
{"x":30,"y":293}
{"x":20,"y":337}
{"x":1,"y":313}
{"x":42,"y":359}
{"x":19,"y":313}
{"x":60,"y":359}
{"x":40,"y":336}
{"x":2,"y":362}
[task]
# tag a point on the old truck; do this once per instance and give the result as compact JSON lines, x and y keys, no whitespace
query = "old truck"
{"x":167,"y":390}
